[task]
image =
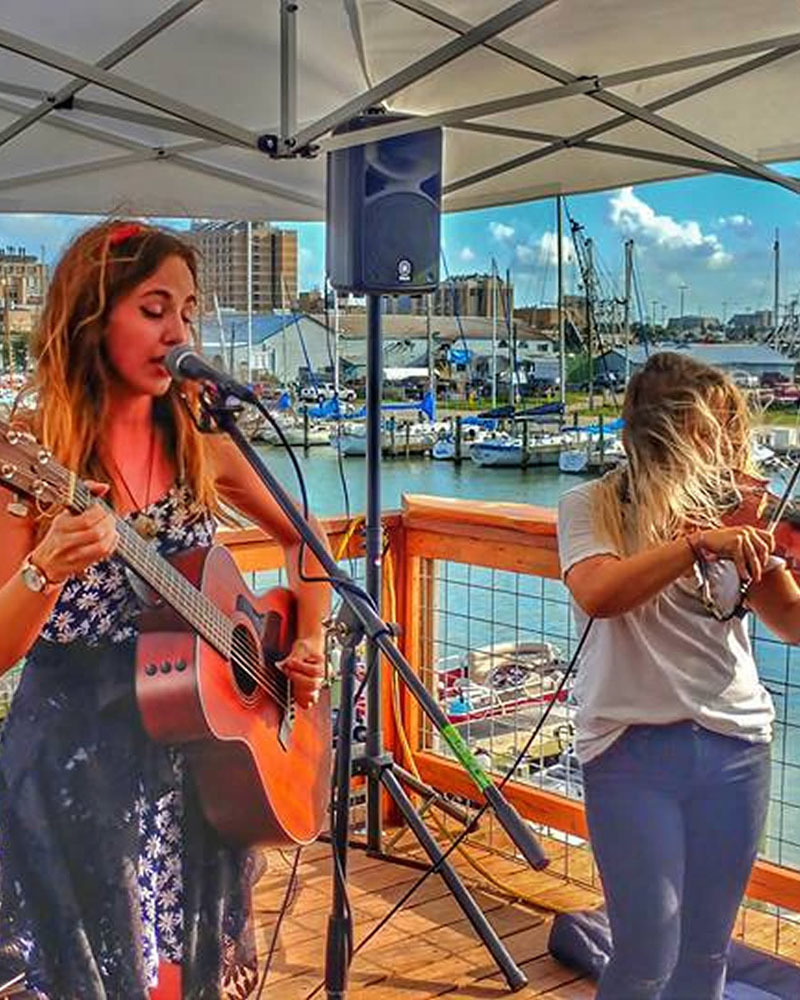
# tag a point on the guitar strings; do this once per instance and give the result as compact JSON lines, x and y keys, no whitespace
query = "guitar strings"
{"x":277,"y":686}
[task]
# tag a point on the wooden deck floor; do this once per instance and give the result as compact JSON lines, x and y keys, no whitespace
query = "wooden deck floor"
{"x":427,"y":950}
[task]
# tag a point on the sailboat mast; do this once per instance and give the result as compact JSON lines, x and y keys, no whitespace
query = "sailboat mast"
{"x":562,"y":347}
{"x":494,"y":334}
{"x":776,"y":247}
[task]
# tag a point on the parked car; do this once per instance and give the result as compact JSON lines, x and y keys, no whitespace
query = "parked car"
{"x":323,"y":391}
{"x":773,"y":379}
{"x":745,"y":380}
{"x":605,"y":380}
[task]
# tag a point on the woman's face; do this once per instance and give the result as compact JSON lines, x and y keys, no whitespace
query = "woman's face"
{"x":146,"y":323}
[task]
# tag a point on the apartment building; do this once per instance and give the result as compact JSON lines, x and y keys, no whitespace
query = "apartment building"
{"x":223,"y":265}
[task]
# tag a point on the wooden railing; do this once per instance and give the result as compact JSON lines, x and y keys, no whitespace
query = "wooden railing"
{"x":504,"y":536}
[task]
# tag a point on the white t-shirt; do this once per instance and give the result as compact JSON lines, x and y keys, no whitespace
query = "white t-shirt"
{"x":665,"y":661}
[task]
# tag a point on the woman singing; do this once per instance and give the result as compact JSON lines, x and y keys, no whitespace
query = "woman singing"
{"x":673,"y":725}
{"x":112,"y":884}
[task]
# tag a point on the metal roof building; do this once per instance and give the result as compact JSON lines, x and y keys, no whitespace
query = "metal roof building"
{"x":754,"y":359}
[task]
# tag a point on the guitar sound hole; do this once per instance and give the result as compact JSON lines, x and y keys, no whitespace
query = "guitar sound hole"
{"x":245,"y":661}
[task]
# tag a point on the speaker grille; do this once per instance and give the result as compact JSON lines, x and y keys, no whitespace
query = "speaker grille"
{"x":400,"y":227}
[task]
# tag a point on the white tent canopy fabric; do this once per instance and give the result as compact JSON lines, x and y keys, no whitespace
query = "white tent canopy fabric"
{"x":157,"y":109}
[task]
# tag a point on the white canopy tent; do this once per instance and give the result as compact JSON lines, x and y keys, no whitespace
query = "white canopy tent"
{"x":154,"y":109}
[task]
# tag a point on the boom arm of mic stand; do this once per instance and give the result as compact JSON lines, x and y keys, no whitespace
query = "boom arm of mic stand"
{"x":380,"y":633}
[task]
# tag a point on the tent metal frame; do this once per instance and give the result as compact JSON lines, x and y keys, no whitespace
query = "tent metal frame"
{"x":210,"y":131}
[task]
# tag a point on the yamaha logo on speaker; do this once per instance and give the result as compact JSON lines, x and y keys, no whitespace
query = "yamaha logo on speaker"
{"x":405,"y":270}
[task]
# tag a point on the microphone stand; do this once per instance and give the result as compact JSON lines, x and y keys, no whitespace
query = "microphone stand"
{"x":359,"y":618}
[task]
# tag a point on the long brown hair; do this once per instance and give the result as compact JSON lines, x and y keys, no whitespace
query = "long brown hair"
{"x":686,"y":435}
{"x":69,"y":390}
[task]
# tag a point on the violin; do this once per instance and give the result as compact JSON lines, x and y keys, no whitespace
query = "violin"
{"x":780,"y":515}
{"x":756,"y":506}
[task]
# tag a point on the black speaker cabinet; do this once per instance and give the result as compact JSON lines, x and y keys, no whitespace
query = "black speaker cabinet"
{"x":383,"y":210}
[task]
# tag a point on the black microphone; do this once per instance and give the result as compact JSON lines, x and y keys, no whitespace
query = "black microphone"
{"x":183,"y":362}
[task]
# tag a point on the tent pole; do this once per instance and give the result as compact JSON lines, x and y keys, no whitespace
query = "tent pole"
{"x":288,"y":9}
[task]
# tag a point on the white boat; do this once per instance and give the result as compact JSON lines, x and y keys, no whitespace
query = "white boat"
{"x":504,"y":450}
{"x":444,"y":448}
{"x":587,"y":458}
{"x":497,"y":450}
{"x":489,"y":664}
{"x":407,"y":438}
{"x":294,"y":430}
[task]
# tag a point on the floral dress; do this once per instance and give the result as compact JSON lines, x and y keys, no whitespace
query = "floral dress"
{"x":107,"y":865}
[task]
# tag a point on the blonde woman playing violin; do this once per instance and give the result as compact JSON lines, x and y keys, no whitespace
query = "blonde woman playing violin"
{"x":673,"y":725}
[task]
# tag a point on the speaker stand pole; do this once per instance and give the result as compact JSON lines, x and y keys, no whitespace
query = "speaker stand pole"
{"x":373,"y":549}
{"x":376,"y":765}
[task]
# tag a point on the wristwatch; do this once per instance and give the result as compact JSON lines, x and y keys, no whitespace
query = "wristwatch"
{"x":35,"y":580}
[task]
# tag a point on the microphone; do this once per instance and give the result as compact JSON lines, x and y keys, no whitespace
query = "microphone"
{"x":183,"y":362}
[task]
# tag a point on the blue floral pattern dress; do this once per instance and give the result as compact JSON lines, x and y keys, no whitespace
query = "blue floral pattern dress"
{"x":107,"y":865}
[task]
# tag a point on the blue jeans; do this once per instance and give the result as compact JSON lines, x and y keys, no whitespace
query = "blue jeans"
{"x":675,"y":815}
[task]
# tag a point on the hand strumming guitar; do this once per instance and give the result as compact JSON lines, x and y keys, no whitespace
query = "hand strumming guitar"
{"x":305,"y":668}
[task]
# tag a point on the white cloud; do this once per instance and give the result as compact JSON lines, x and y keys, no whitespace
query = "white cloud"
{"x":548,"y":249}
{"x":736,"y":221}
{"x":636,"y":218}
{"x":719,"y":259}
{"x":466,"y":255}
{"x":500,"y":231}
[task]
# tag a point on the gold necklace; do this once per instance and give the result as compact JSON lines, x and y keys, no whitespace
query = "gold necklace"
{"x":143,"y":524}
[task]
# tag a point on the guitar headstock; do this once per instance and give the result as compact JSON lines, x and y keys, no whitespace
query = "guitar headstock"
{"x":27,"y":467}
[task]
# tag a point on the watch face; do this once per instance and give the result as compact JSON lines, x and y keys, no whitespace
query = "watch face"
{"x":33,"y":578}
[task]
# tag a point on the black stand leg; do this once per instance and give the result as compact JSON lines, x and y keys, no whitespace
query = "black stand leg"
{"x":339,"y":942}
{"x":515,"y":977}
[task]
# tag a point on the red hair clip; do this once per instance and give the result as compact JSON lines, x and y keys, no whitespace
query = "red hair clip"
{"x":124,"y":232}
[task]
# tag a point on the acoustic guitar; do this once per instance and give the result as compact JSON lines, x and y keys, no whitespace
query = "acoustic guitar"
{"x":206,"y":674}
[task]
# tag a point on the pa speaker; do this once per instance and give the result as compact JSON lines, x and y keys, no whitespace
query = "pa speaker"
{"x":383,"y":211}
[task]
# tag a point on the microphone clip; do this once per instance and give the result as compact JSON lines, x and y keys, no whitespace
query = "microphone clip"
{"x":213,"y":404}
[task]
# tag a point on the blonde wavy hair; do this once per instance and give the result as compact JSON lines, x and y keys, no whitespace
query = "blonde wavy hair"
{"x":66,"y":401}
{"x":686,"y":435}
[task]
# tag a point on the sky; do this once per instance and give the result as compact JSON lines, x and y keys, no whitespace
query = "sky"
{"x":713,"y":235}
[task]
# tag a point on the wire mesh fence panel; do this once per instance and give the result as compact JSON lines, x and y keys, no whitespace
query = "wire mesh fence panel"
{"x":494,"y":648}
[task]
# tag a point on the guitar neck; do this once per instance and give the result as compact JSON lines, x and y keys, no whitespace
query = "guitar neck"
{"x":188,"y":602}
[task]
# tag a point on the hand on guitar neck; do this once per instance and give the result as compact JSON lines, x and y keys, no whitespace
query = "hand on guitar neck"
{"x":305,"y":668}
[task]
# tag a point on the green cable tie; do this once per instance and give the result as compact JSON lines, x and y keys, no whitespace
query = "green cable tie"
{"x":465,"y":756}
